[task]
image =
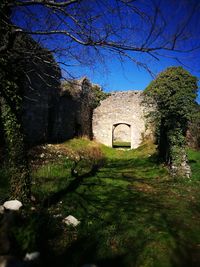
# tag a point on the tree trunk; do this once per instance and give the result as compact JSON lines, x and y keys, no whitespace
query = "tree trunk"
{"x":178,"y":158}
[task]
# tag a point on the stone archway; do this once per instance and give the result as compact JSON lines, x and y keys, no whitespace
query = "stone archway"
{"x":121,"y":135}
{"x":120,"y":108}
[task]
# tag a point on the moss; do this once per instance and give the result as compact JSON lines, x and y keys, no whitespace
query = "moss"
{"x":11,"y":104}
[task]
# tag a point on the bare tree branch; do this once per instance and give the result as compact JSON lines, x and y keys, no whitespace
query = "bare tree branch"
{"x":44,"y":2}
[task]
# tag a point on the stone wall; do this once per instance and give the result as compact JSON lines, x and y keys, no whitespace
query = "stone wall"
{"x":53,"y":114}
{"x":41,"y":98}
{"x":74,"y":114}
{"x":120,"y":108}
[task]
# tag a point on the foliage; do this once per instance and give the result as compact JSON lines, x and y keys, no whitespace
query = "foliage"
{"x":11,"y":104}
{"x":99,"y":95}
{"x":16,"y":162}
{"x":71,"y":88}
{"x":173,"y":95}
{"x":193,"y":135}
{"x":18,"y":56}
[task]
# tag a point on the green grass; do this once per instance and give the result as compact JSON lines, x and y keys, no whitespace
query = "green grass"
{"x":50,"y":178}
{"x":121,"y":144}
{"x":78,"y":143}
{"x":132,"y":213}
{"x":194,"y":161}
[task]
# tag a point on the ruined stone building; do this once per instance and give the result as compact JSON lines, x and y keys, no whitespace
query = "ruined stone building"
{"x":121,"y":117}
{"x":52,"y":111}
{"x":58,"y":112}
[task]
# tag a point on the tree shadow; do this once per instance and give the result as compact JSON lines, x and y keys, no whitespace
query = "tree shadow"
{"x":121,"y":225}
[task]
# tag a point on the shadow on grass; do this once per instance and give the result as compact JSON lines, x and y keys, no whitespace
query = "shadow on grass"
{"x":127,"y":219}
{"x":54,"y":198}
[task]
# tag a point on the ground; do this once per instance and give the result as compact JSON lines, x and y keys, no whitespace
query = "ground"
{"x":131,"y":212}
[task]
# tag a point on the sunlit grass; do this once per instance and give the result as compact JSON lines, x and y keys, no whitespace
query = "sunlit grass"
{"x":132,"y":213}
{"x":194,"y":161}
{"x":119,"y":144}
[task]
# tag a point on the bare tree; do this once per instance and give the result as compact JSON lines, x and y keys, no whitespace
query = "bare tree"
{"x":82,"y":32}
{"x":78,"y":31}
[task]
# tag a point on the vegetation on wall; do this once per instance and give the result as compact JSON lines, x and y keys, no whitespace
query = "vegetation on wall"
{"x":99,"y":95}
{"x":20,"y":56}
{"x":193,"y":134}
{"x":173,"y":94}
{"x":84,"y":91}
{"x":10,"y":104}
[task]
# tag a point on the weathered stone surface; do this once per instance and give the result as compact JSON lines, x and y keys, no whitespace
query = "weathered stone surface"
{"x":74,"y":114}
{"x":41,"y":95}
{"x":12,"y":205}
{"x":122,"y":132}
{"x":121,"y":116}
{"x":33,"y":256}
{"x":71,"y":220}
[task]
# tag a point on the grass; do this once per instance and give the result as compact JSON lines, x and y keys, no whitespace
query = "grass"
{"x":132,"y":213}
{"x":194,"y":161}
{"x":121,"y":144}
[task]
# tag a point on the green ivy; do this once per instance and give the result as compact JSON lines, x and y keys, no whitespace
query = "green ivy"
{"x":11,"y":75}
{"x":172,"y":94}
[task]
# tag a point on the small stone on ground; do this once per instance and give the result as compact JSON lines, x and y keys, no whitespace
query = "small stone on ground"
{"x":12,"y":205}
{"x":71,"y":220}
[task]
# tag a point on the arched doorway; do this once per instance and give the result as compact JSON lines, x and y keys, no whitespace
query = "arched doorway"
{"x":121,"y":135}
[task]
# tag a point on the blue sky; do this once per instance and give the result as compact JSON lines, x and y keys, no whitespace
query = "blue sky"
{"x":123,"y":76}
{"x":113,"y":74}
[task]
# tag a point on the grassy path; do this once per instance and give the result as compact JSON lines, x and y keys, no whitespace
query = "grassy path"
{"x":132,"y":213}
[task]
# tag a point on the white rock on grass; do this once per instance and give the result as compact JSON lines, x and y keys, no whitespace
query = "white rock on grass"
{"x":71,"y":220}
{"x":33,"y":256}
{"x":12,"y":205}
